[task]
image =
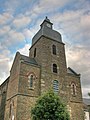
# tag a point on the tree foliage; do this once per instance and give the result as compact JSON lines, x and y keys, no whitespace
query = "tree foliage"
{"x":49,"y":107}
{"x":89,"y":94}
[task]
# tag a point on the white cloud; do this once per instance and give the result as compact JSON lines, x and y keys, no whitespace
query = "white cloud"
{"x":25,"y":50}
{"x":5,"y":18}
{"x":47,"y":6}
{"x":21,"y":21}
{"x":5,"y":64}
{"x":85,"y":22}
{"x":28,"y":33}
{"x":17,"y":36}
{"x":11,"y":5}
{"x":4,"y":30}
{"x":12,"y":38}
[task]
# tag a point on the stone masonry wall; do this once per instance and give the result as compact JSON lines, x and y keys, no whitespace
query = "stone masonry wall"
{"x":3,"y":95}
{"x":24,"y":82}
{"x":46,"y":59}
{"x":75,"y":101}
{"x":76,"y":111}
{"x":14,"y":77}
{"x":10,"y":112}
{"x":76,"y":80}
{"x":24,"y":107}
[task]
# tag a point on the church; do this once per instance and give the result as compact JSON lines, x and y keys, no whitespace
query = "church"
{"x":45,"y":68}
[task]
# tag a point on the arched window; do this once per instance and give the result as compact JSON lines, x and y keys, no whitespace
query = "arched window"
{"x":55,"y":86}
{"x":54,"y":68}
{"x":73,"y":89}
{"x":35,"y":52}
{"x":31,"y":78}
{"x":54,"y":49}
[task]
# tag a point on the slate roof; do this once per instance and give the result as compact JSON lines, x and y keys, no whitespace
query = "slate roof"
{"x":71,"y":71}
{"x":28,"y":60}
{"x":86,"y":101}
{"x":47,"y":32}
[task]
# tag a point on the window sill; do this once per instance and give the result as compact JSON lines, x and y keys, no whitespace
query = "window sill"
{"x":31,"y":88}
{"x":55,"y":73}
{"x":73,"y":95}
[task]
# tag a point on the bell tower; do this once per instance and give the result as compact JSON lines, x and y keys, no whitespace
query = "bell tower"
{"x":48,"y":50}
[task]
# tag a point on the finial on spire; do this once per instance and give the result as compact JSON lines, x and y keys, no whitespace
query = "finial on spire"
{"x":47,"y":19}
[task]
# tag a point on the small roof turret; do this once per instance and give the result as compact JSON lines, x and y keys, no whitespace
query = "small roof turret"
{"x":47,"y":23}
{"x":47,"y":31}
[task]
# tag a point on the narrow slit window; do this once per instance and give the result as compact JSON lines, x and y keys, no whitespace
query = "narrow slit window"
{"x":31,"y":81}
{"x":35,"y":52}
{"x":54,"y":68}
{"x":54,"y":49}
{"x":55,"y":86}
{"x":73,"y":89}
{"x":10,"y":110}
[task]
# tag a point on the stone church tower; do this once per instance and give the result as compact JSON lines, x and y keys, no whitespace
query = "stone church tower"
{"x":44,"y":69}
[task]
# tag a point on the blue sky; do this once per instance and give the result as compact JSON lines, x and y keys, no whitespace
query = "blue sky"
{"x":21,"y":19}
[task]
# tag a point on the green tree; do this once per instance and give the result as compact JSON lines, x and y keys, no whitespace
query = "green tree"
{"x":89,"y":94}
{"x":49,"y":107}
